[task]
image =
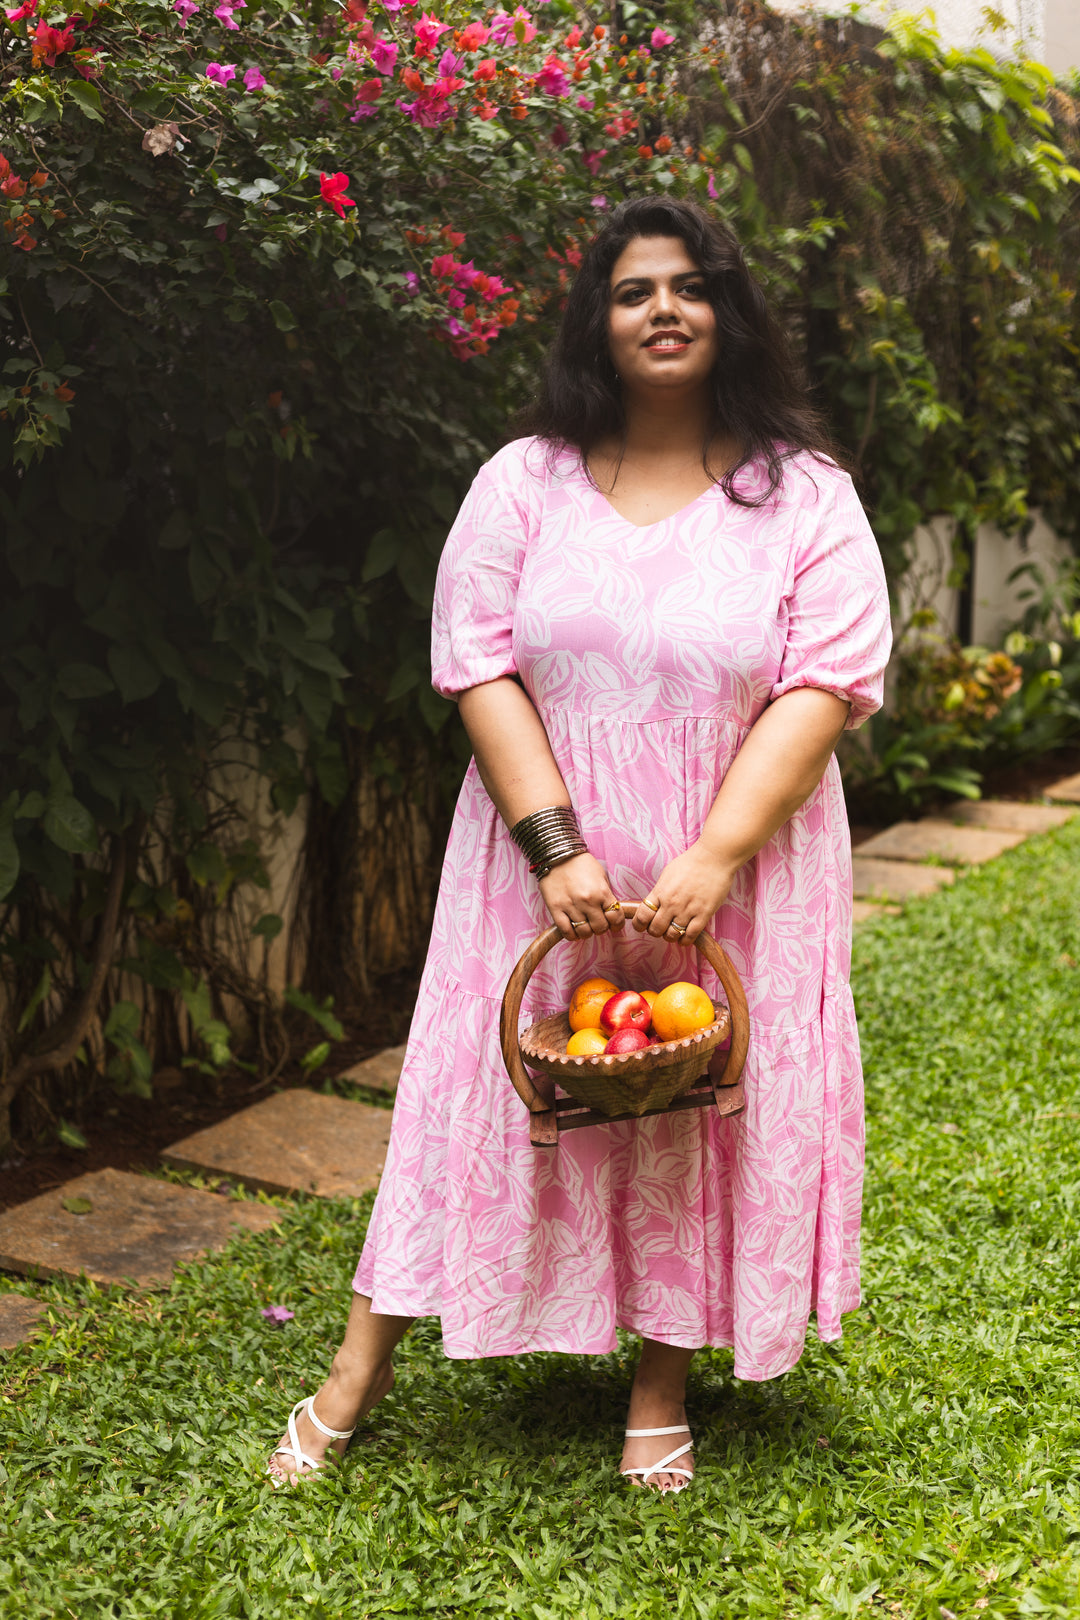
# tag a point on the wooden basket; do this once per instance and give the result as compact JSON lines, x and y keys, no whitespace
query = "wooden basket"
{"x":624,"y":1085}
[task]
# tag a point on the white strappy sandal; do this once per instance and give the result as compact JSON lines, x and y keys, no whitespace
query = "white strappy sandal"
{"x":304,"y":1463}
{"x":665,"y":1465}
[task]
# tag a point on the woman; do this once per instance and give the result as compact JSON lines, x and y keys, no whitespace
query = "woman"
{"x":661,"y":610}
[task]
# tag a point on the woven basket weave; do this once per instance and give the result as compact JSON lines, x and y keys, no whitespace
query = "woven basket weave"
{"x":632,"y":1083}
{"x":623,"y":1082}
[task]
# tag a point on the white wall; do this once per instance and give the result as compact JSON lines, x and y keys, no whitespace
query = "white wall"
{"x":997,"y":604}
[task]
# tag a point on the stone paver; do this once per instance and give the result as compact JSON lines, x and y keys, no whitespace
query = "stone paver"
{"x":920,"y":840}
{"x":295,"y":1141}
{"x":135,"y":1229}
{"x":866,"y":910}
{"x":1068,"y":789}
{"x":378,"y":1073}
{"x":1000,"y":815}
{"x":20,"y":1319}
{"x":895,"y":880}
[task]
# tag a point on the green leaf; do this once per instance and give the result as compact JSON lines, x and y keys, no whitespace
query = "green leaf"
{"x":123,"y":1022}
{"x":70,"y":1135}
{"x":83,"y":681}
{"x":86,"y":97}
{"x":268,"y":927}
{"x":76,"y":1206}
{"x":283,"y":316}
{"x":133,"y":673}
{"x":44,"y":986}
{"x":382,"y":554}
{"x":207,"y":864}
{"x":32,"y":807}
{"x":316,"y":1057}
{"x":70,"y":825}
{"x":320,"y":1011}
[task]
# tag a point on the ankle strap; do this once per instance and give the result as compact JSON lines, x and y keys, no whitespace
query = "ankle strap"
{"x":641,"y":1434}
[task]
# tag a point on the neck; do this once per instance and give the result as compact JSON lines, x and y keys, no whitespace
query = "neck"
{"x":663,"y":422}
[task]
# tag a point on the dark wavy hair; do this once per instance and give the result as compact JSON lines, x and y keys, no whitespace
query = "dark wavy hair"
{"x":758,"y":396}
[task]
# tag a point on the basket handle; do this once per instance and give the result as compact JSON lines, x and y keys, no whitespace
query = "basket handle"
{"x":517,"y":984}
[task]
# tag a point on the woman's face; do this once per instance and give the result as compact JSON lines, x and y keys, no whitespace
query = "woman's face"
{"x":661,"y":326}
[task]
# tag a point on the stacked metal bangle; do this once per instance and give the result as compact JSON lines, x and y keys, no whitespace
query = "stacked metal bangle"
{"x":548,"y":837}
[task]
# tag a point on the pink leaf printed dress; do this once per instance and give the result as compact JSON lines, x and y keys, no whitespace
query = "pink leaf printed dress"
{"x":649,"y":653}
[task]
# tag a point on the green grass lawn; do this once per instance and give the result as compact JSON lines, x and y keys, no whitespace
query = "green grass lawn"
{"x":927,"y":1467}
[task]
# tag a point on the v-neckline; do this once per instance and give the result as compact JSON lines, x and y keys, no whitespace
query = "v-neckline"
{"x":641,"y":527}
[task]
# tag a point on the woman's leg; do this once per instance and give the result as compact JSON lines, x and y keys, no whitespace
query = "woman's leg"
{"x":360,"y":1375}
{"x":657,"y":1401}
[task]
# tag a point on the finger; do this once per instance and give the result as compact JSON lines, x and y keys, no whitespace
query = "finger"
{"x":646,"y":913}
{"x":676,"y":931}
{"x":613,"y":911}
{"x":594,"y":916}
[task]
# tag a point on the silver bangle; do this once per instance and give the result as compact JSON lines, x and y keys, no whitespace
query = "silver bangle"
{"x":548,"y":837}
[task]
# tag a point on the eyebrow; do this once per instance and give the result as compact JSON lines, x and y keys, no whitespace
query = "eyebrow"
{"x":647,"y":281}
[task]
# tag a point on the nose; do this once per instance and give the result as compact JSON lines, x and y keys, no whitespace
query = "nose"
{"x":664,"y":310}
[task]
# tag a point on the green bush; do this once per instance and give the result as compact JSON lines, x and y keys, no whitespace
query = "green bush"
{"x":260,"y":327}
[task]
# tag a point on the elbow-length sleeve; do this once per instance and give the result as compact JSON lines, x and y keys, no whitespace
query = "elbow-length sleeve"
{"x":476,"y":587}
{"x":839,"y":633}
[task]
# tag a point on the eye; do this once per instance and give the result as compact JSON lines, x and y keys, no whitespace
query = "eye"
{"x":632,"y":295}
{"x":693,"y":289}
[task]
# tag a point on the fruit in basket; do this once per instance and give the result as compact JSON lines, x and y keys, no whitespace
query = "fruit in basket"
{"x":681,"y":1009}
{"x":586,"y":1043}
{"x":629,"y":1039}
{"x":625,"y":1010}
{"x":587,"y":1002}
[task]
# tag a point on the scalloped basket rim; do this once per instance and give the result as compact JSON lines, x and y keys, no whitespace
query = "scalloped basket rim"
{"x":644,"y":1057}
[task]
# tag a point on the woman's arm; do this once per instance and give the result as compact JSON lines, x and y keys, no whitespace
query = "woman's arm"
{"x":780,"y":763}
{"x":519,"y":771}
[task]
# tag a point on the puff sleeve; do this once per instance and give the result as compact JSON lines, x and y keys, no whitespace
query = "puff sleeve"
{"x":477,"y":582}
{"x":839,"y":633}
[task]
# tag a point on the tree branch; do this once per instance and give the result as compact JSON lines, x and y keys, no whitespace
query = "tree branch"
{"x":69,"y":1032}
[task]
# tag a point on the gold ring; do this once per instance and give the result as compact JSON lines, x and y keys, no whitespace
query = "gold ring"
{"x":614,"y":906}
{"x":653,"y":906}
{"x":581,"y":923}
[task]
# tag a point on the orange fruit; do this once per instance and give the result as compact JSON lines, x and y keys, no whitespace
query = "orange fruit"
{"x":586,"y":1043}
{"x":587,"y":1001}
{"x":680,"y":1009}
{"x":649,"y":996}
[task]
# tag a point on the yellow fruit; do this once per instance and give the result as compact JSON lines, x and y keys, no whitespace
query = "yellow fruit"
{"x":587,"y":1001}
{"x":586,"y":1043}
{"x":649,"y":996}
{"x":679,"y":1010}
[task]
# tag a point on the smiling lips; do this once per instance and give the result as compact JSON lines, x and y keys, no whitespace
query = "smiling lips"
{"x":668,"y":340}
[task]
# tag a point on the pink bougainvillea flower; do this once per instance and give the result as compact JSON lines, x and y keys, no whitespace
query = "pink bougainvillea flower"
{"x":573,"y":38}
{"x":221,"y":232}
{"x":12,"y":186}
{"x":586,"y":103}
{"x":598,"y":202}
{"x":711,"y":188}
{"x":412,"y":283}
{"x":519,"y":25}
{"x":427,"y":32}
{"x":486,"y":70}
{"x":553,"y":79}
{"x":592,"y":160}
{"x":444,"y":265}
{"x":559,"y":136}
{"x":27,"y":9}
{"x":224,"y":12}
{"x":185,"y":10}
{"x":49,"y":43}
{"x":449,"y":64}
{"x":486,"y":110}
{"x":253,"y":80}
{"x":333,"y":188}
{"x":455,"y":298}
{"x":278,"y":1315}
{"x":659,"y":38}
{"x":474,"y":37}
{"x":87,"y":63}
{"x":221,"y":72}
{"x":384,"y":56}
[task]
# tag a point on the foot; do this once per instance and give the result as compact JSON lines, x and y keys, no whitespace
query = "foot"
{"x":348,"y":1394}
{"x":650,"y":1409}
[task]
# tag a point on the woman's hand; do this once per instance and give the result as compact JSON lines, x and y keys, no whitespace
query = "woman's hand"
{"x":686,"y":896}
{"x":578,"y":891}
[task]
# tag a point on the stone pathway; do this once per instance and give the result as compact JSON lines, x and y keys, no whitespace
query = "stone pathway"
{"x":293,"y":1142}
{"x":378,"y":1073}
{"x":915,"y":858}
{"x":20,"y":1319}
{"x":116,"y":1228}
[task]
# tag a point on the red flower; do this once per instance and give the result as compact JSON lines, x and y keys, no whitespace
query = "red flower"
{"x":12,"y":186}
{"x":333,"y":188}
{"x":27,"y":9}
{"x":488,"y":69}
{"x":49,"y":43}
